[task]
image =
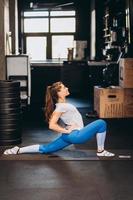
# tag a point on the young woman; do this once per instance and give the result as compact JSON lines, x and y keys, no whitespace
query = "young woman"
{"x":73,"y":131}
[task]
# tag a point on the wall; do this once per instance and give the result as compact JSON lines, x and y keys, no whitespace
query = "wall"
{"x":93,"y":31}
{"x":8,"y":32}
{"x":4,"y":29}
{"x":96,"y":29}
{"x":13,"y":16}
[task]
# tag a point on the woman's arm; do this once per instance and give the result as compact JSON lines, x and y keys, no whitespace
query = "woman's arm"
{"x":53,"y":124}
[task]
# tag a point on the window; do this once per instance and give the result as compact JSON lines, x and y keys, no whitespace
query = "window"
{"x":36,"y":48}
{"x":48,"y":34}
{"x":60,"y":45}
{"x":35,"y":14}
{"x":62,"y":25}
{"x":36,"y":25}
{"x":62,"y":13}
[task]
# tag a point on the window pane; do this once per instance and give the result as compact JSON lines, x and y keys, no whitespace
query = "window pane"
{"x":36,"y":48}
{"x":60,"y":45}
{"x":62,"y":25}
{"x":36,"y":25}
{"x":62,"y":13}
{"x":35,"y":13}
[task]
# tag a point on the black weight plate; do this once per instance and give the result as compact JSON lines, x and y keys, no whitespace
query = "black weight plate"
{"x":9,"y":110}
{"x":10,"y":105}
{"x":9,"y":83}
{"x":10,"y":142}
{"x":10,"y":116}
{"x":9,"y":95}
{"x":10,"y":100}
{"x":6,"y":112}
{"x":8,"y":131}
{"x":10,"y":125}
{"x":10,"y":119}
{"x":10,"y":90}
{"x":11,"y":135}
{"x":4,"y":126}
{"x":11,"y":131}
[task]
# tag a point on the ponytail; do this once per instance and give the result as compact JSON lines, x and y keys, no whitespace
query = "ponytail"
{"x":51,"y":99}
{"x":49,"y":105}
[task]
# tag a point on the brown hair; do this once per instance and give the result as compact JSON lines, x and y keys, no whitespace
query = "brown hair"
{"x":51,"y":99}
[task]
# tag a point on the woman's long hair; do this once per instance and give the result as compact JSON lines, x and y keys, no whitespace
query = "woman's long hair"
{"x":51,"y":99}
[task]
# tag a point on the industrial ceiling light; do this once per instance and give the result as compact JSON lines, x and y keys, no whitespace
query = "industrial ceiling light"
{"x":65,"y":4}
{"x":31,"y":4}
{"x":49,"y":6}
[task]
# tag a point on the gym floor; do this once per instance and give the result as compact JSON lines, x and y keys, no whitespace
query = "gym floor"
{"x":69,"y":179}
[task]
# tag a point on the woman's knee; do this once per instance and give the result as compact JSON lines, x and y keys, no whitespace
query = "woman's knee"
{"x":103,"y":125}
{"x":42,"y":149}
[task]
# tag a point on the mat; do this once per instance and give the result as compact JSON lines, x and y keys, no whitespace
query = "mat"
{"x":70,"y":155}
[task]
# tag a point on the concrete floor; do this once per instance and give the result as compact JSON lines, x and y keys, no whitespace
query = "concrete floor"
{"x":69,"y":180}
{"x":64,"y":180}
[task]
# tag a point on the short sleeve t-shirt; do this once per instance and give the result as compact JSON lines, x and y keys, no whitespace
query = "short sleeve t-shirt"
{"x":70,"y":115}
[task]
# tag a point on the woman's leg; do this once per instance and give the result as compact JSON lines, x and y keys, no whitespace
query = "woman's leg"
{"x":53,"y":146}
{"x":100,"y":141}
{"x":86,"y":133}
{"x":20,"y":150}
{"x":97,"y":128}
{"x":29,"y":149}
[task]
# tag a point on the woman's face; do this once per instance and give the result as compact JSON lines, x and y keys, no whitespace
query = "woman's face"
{"x":63,"y":91}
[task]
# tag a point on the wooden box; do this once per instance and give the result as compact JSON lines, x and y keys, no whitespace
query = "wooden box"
{"x":128,"y":102}
{"x":113,"y":102}
{"x":126,"y":72}
{"x":108,"y":102}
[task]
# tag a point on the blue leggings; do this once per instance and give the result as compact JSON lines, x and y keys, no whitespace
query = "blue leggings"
{"x":75,"y":137}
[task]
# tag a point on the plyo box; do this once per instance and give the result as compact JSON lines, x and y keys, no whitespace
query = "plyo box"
{"x":126,"y":72}
{"x":128,"y":102}
{"x":113,"y":102}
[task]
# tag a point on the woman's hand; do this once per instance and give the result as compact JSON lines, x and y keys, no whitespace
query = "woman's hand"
{"x":53,"y":124}
{"x":71,"y":128}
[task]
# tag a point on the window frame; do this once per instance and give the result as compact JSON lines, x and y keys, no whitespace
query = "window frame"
{"x":48,"y":34}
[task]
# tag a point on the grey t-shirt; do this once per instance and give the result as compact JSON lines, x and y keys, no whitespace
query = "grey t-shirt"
{"x":70,"y":115}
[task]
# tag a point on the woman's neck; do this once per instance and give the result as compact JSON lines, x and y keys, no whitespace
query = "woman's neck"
{"x":60,"y":100}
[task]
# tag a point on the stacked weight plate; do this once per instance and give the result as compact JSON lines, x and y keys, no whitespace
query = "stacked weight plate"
{"x":10,"y":113}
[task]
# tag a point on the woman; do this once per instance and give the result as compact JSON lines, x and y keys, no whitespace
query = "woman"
{"x":73,"y":131}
